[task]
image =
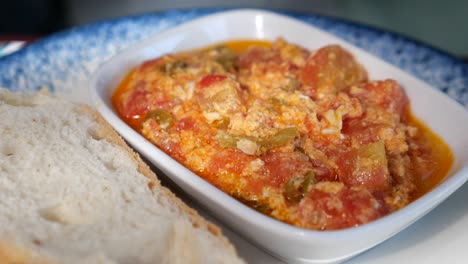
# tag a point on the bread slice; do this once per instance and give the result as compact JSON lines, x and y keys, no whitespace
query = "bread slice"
{"x":71,"y":191}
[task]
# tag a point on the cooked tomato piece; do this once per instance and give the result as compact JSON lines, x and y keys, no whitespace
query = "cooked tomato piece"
{"x":185,"y":124}
{"x":329,"y":210}
{"x":136,"y":105}
{"x":229,"y":164}
{"x":329,"y":70}
{"x":211,"y":79}
{"x":254,"y":55}
{"x":366,"y":166}
{"x":361,"y":131}
{"x":387,"y":94}
{"x":283,"y":166}
{"x":323,"y":172}
{"x":226,"y":160}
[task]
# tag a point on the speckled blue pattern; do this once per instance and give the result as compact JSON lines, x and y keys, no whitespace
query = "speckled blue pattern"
{"x":65,"y":60}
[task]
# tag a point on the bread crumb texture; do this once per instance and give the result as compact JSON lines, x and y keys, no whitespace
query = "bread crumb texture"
{"x":69,"y":194}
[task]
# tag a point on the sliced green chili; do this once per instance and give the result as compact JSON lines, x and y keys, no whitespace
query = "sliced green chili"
{"x":162,"y":117}
{"x":172,"y":67}
{"x":296,"y":188}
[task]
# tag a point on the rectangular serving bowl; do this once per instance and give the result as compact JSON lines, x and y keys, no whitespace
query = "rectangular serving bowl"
{"x":446,"y":117}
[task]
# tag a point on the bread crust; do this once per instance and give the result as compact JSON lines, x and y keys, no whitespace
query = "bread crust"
{"x":12,"y":254}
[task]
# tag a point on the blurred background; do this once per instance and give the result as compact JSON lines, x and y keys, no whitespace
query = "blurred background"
{"x":442,"y":24}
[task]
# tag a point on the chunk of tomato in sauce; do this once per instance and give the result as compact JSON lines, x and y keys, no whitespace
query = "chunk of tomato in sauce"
{"x":360,"y":131}
{"x":257,"y":55}
{"x":225,"y":169}
{"x":329,"y":210}
{"x":366,"y":166}
{"x":329,"y":70}
{"x":186,"y":123}
{"x":387,"y":94}
{"x":136,"y":104}
{"x":283,"y":166}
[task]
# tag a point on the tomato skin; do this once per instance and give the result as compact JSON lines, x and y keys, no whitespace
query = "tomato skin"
{"x":230,"y":160}
{"x":329,"y":70}
{"x":365,"y":166}
{"x":227,"y":162}
{"x":322,"y":171}
{"x":283,"y":166}
{"x":137,"y":104}
{"x":185,"y":124}
{"x":140,"y":99}
{"x":330,"y":211}
{"x":361,"y":131}
{"x":254,"y":55}
{"x":211,"y":79}
{"x":387,"y":94}
{"x":375,"y":177}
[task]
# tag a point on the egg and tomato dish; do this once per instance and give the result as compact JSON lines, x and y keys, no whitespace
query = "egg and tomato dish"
{"x":300,"y":135}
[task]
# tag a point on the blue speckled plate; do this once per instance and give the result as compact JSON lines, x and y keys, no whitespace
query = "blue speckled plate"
{"x":64,"y":62}
{"x":67,"y":58}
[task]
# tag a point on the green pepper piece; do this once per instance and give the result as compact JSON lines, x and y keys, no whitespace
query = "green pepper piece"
{"x":309,"y":179}
{"x":282,"y":137}
{"x":225,"y":57}
{"x":172,"y":67}
{"x":292,"y":85}
{"x":226,"y":62}
{"x":229,"y":140}
{"x":296,"y":188}
{"x":162,"y":117}
{"x":372,"y":152}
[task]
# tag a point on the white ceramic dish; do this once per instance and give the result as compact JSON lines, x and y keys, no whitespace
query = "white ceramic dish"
{"x":284,"y":241}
